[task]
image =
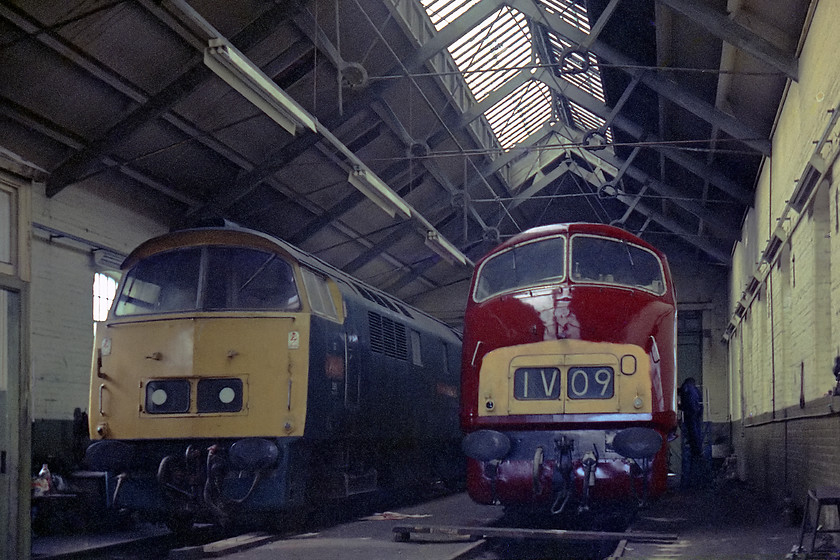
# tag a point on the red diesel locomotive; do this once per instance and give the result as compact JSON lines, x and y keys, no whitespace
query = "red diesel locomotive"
{"x":568,"y":378}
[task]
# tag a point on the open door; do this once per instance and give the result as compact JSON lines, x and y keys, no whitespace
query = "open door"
{"x":689,"y":364}
{"x":14,"y":457}
{"x":15,"y":426}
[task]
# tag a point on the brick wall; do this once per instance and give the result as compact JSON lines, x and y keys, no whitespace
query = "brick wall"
{"x":61,"y":326}
{"x":780,"y":358}
{"x":788,"y":456}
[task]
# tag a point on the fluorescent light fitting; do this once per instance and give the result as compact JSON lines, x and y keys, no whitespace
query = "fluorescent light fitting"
{"x":375,"y":189}
{"x":245,"y":77}
{"x":107,"y":260}
{"x":440,"y":245}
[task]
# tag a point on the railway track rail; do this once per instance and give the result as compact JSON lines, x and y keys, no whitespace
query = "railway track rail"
{"x":404,"y":532}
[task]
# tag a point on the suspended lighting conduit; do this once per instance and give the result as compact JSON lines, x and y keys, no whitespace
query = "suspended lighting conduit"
{"x":232,"y":66}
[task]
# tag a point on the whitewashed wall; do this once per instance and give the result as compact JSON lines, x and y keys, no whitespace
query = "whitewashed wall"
{"x":61,"y":326}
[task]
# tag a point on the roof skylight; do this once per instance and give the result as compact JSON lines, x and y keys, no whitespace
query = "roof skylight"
{"x":443,"y":12}
{"x":497,"y":49}
{"x":589,"y":81}
{"x":570,"y":11}
{"x":493,"y":52}
{"x":521,"y":113}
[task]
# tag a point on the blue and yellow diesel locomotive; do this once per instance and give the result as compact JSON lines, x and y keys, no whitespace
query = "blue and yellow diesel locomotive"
{"x":237,"y":376}
{"x":569,"y":370}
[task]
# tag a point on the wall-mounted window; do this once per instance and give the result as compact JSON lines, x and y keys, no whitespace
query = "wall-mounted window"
{"x":104,"y":289}
{"x":8,"y":231}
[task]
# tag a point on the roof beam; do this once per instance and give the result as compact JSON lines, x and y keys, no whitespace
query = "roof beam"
{"x":668,"y":89}
{"x":737,"y":35}
{"x":152,"y":107}
{"x":589,"y":102}
{"x":702,"y":243}
{"x":723,"y":227}
{"x":414,"y":63}
{"x":539,"y":185}
{"x":677,"y":197}
{"x":60,"y":46}
{"x":596,"y":106}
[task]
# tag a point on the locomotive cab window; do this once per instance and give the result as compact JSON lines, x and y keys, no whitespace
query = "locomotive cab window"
{"x":609,"y":261}
{"x":320,"y":298}
{"x":528,"y":264}
{"x":209,"y":278}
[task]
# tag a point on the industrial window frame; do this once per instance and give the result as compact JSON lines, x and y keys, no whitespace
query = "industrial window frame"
{"x":104,"y":292}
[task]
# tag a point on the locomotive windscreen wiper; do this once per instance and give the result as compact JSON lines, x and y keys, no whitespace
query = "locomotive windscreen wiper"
{"x":629,"y":255}
{"x":255,"y":274}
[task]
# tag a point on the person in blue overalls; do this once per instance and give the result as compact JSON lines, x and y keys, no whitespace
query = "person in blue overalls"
{"x":691,"y":404}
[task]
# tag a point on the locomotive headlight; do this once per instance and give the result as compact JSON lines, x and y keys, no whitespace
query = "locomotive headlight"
{"x":628,"y":364}
{"x":159,"y":397}
{"x":167,"y":396}
{"x":637,"y":402}
{"x":226,"y":395}
{"x":219,"y":395}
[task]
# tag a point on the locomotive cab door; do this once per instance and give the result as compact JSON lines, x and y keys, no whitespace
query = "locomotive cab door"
{"x":353,"y":376}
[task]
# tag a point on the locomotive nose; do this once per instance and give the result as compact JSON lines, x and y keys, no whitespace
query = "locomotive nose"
{"x":486,"y":445}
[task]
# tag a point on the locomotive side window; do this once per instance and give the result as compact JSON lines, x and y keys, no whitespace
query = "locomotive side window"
{"x":230,"y":278}
{"x":608,"y":261}
{"x":529,"y":264}
{"x":318,"y":291}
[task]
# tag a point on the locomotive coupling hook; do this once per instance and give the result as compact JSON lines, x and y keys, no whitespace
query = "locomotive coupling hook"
{"x":590,"y":460}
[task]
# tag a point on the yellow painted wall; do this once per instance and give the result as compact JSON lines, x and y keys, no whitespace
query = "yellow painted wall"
{"x":780,"y":357}
{"x":786,"y":336}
